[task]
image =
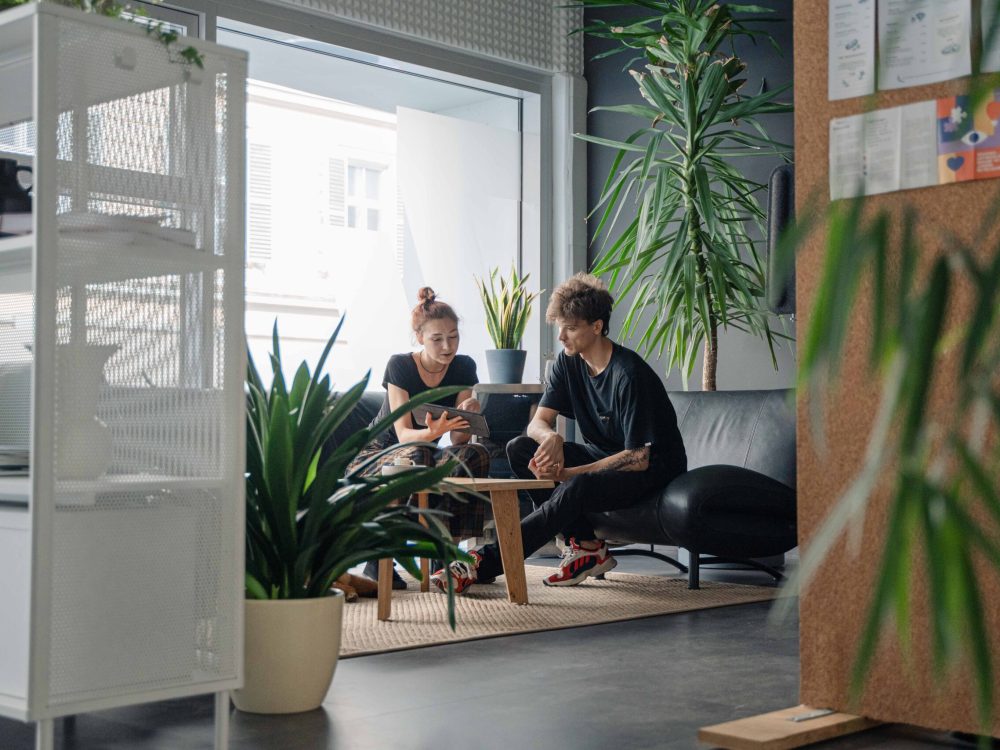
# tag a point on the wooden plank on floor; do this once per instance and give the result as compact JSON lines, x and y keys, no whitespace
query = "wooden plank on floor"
{"x":776,"y":730}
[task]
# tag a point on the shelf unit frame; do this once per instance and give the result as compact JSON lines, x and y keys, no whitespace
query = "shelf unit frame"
{"x":29,"y":67}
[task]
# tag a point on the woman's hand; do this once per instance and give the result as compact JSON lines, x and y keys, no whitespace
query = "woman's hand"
{"x":444,"y":423}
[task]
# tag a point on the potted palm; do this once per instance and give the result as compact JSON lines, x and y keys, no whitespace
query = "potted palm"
{"x":308,"y":520}
{"x":507,"y":311}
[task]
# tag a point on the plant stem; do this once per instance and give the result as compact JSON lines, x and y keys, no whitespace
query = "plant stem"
{"x":711,"y":358}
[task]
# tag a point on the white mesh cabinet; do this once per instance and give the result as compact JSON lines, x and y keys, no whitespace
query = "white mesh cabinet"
{"x":121,"y":370}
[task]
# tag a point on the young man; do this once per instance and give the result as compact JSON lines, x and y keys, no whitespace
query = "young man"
{"x":632,"y":445}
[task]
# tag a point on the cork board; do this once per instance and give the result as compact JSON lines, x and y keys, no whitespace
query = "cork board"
{"x":834,"y":607}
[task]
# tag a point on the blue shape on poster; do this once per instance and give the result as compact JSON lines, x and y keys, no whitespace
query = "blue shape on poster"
{"x":955,"y":163}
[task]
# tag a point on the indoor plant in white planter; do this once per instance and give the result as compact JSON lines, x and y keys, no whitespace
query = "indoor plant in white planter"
{"x":507,"y":311}
{"x":307,"y":521}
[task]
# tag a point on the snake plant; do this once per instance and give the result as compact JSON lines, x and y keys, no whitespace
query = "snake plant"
{"x":507,"y":308}
{"x":309,"y":519}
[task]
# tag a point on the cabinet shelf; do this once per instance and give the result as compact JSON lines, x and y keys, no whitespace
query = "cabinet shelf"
{"x":15,"y":253}
{"x":92,"y":259}
{"x":16,"y":490}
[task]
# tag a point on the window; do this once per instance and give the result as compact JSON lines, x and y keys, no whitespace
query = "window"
{"x":461,"y":157}
{"x":363,"y":197}
{"x":367,"y":182}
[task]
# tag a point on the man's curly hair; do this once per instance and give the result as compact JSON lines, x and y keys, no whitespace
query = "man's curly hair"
{"x":581,"y":297}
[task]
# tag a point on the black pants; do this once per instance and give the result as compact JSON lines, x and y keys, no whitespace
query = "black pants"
{"x":564,"y":509}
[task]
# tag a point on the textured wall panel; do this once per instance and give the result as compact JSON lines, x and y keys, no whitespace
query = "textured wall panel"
{"x":534,"y":33}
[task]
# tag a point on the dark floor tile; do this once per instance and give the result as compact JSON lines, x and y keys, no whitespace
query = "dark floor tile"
{"x":633,"y":685}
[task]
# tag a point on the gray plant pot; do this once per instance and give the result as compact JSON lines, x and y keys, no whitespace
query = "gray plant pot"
{"x":505,"y":365}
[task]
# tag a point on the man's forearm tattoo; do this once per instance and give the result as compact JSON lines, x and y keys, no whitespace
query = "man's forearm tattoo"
{"x":630,"y":459}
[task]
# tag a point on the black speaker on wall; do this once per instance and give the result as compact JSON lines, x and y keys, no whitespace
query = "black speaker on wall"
{"x":780,"y":213}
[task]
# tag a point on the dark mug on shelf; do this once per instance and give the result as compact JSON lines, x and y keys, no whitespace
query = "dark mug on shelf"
{"x":14,"y":198}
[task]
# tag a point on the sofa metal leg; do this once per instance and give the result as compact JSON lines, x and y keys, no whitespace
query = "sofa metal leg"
{"x":650,"y":553}
{"x":694,"y":568}
{"x":775,"y":574}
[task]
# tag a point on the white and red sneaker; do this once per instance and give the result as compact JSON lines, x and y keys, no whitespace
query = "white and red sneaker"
{"x":580,"y":563}
{"x":462,"y":574}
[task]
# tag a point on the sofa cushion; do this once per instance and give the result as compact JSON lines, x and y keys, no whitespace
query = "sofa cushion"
{"x":752,"y":429}
{"x":738,"y":496}
{"x":729,"y":511}
{"x":359,"y":418}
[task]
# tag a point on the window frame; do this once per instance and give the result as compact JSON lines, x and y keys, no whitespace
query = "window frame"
{"x":562,"y":240}
{"x":362,"y":202}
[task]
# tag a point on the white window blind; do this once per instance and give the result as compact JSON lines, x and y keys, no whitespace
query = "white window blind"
{"x":259,"y":208}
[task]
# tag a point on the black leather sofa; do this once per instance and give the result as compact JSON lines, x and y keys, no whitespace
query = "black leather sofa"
{"x":736,"y":502}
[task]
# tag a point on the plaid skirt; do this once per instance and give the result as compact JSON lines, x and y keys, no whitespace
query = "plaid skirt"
{"x":467,"y":516}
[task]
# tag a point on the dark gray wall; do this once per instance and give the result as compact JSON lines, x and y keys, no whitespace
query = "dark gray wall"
{"x":744,"y":361}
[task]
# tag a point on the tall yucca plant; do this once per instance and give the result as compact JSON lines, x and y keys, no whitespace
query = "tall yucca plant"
{"x":308,"y":519}
{"x":687,"y":255}
{"x":507,"y":308}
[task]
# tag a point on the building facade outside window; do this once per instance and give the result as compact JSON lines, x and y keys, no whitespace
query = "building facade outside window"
{"x":364,"y":197}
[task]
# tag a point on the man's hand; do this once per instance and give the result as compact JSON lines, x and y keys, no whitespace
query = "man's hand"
{"x":550,"y":451}
{"x":551,"y":472}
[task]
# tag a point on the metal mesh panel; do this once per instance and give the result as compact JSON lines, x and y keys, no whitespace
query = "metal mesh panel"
{"x":144,"y":590}
{"x":16,"y":333}
{"x":147,"y":611}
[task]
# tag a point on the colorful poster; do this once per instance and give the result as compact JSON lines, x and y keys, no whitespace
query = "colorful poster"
{"x":968,"y":142}
{"x":990,"y":25}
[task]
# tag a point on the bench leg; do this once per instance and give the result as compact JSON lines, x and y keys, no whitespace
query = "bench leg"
{"x":694,"y":568}
{"x":385,"y":588}
{"x":508,"y":520}
{"x":423,"y":502}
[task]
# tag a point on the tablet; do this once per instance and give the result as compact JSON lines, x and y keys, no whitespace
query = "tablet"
{"x":477,"y":422}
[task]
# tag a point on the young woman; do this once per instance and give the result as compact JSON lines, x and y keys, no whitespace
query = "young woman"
{"x":438,"y":363}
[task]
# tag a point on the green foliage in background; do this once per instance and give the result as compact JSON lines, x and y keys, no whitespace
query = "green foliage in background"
{"x":507,"y":308}
{"x":308,"y":520}
{"x":940,"y":468}
{"x":688,"y":255}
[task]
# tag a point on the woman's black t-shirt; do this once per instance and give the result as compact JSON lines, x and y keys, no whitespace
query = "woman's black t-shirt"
{"x":403,"y":373}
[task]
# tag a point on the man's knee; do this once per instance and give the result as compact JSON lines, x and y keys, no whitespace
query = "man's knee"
{"x":520,"y":451}
{"x":577,"y":489}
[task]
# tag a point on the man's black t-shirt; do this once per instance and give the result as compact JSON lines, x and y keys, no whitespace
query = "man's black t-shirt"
{"x":402,"y":372}
{"x":623,"y":407}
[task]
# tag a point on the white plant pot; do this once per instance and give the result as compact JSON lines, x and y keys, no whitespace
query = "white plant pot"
{"x":291,"y":650}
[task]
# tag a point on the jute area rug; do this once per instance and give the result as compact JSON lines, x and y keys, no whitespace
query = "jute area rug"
{"x":484,"y":612}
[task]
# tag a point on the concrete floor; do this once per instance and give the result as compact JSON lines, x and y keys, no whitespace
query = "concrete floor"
{"x":629,"y":686}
